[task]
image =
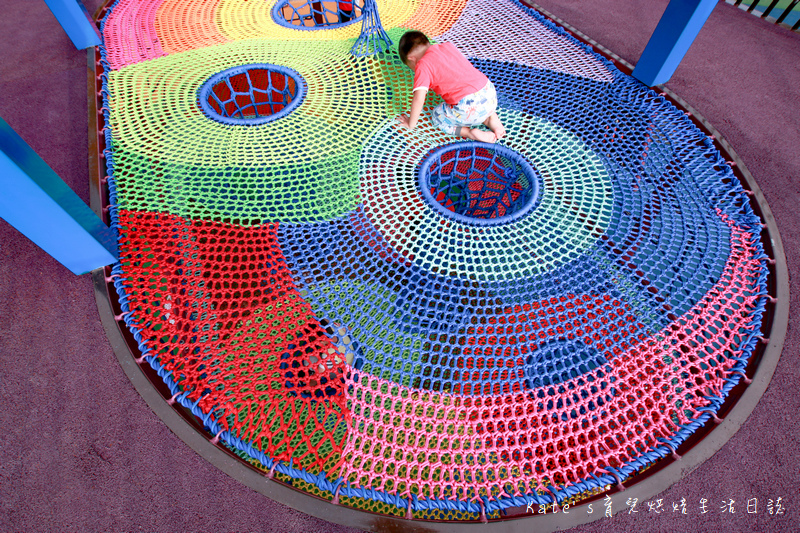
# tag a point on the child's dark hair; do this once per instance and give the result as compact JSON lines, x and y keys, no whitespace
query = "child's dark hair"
{"x":409,"y":41}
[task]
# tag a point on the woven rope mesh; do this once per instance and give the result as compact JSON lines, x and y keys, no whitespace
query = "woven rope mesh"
{"x":299,"y":290}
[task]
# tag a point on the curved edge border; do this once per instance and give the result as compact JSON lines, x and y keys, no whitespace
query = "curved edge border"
{"x":735,"y":411}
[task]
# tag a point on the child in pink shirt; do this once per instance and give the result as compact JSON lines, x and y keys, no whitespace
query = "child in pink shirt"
{"x":469,"y":97}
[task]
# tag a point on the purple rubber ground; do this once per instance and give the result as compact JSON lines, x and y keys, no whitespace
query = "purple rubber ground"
{"x":81,"y":451}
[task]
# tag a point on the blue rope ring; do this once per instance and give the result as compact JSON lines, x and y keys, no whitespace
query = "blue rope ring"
{"x":479,"y":183}
{"x":251,"y":94}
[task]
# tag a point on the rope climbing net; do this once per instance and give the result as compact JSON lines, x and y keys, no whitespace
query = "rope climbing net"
{"x":403,"y":322}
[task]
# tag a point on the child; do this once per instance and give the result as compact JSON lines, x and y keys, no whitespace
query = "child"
{"x":469,"y":97}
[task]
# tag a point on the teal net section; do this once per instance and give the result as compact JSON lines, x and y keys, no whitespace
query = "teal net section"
{"x":399,"y":320}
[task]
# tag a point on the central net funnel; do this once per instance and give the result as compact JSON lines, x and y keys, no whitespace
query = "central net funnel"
{"x":479,"y":183}
{"x":251,"y":94}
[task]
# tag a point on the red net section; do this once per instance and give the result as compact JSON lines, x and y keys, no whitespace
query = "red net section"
{"x":218,"y":304}
{"x":496,"y":354}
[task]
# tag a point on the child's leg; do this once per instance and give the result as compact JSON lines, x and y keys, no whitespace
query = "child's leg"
{"x":494,"y":124}
{"x":444,"y":117}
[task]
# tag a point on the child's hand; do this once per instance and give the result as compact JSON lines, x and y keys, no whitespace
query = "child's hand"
{"x":417,"y":101}
{"x":404,"y":120}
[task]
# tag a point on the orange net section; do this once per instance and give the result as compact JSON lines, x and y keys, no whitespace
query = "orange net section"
{"x":434,"y":17}
{"x":175,"y":16}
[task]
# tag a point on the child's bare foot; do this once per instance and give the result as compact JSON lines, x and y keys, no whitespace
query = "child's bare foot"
{"x":483,"y":136}
{"x":494,"y":124}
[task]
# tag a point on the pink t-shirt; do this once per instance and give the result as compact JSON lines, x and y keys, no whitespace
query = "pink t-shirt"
{"x":445,"y":71}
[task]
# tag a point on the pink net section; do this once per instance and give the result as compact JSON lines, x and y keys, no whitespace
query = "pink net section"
{"x":129,"y":33}
{"x":465,"y":446}
{"x":517,"y":38}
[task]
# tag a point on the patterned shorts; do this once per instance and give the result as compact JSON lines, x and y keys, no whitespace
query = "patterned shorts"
{"x":470,"y":111}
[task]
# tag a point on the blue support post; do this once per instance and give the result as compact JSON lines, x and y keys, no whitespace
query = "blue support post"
{"x":76,"y":21}
{"x":677,"y":29}
{"x":39,"y":204}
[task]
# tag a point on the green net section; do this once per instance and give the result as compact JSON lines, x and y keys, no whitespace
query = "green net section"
{"x":303,"y":167}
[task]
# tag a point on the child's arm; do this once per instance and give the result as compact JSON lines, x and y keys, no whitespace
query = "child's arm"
{"x":417,"y":101}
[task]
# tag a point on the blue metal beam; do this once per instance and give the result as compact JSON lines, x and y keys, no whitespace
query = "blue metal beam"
{"x":39,"y":204}
{"x":677,"y":29}
{"x":76,"y":21}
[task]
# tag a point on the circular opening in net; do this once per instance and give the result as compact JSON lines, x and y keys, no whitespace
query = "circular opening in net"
{"x":479,"y":183}
{"x":316,"y":14}
{"x":252,"y":94}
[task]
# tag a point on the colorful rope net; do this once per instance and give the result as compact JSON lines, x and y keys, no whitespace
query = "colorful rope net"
{"x":400,"y":321}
